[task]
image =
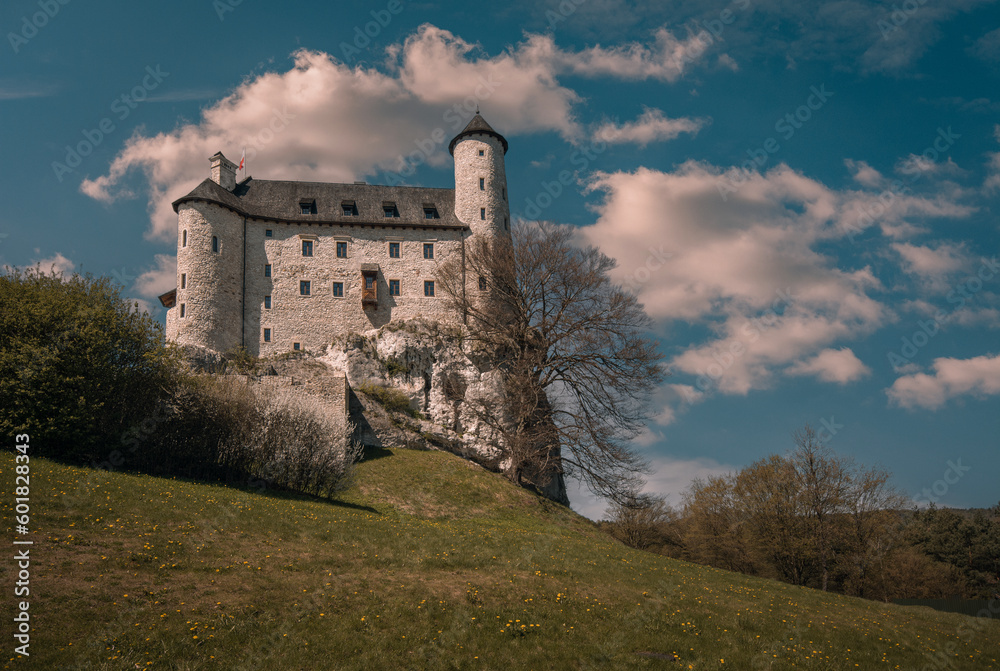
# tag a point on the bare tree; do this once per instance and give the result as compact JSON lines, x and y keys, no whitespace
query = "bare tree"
{"x":572,"y":348}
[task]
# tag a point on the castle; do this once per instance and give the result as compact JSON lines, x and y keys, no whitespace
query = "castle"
{"x":279,"y":266}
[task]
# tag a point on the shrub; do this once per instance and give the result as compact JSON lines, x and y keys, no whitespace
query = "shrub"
{"x":79,"y":365}
{"x":389,"y":397}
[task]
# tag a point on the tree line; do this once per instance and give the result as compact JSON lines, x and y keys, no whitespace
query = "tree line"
{"x":814,"y":518}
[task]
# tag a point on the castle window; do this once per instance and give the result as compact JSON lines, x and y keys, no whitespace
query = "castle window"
{"x":393,"y":287}
{"x":393,"y":250}
{"x":506,"y":226}
{"x":428,"y":287}
{"x":350,"y":209}
{"x":431,"y":213}
{"x":338,"y":289}
{"x":184,"y":239}
{"x":182,"y":311}
{"x":482,"y":284}
{"x":428,"y":250}
{"x":482,"y":213}
{"x":296,"y":346}
{"x":215,"y":244}
{"x":184,"y":280}
{"x":267,"y":335}
{"x":390,"y":210}
{"x":503,"y":192}
{"x":267,"y":270}
{"x":308,"y":206}
{"x":480,"y":152}
{"x":482,"y":184}
{"x":267,"y":302}
{"x":307,"y":248}
{"x":341,"y":250}
{"x":304,"y":287}
{"x":268,"y":233}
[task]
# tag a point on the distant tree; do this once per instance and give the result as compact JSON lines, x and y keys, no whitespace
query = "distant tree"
{"x":968,"y":542}
{"x":79,"y":364}
{"x":643,"y":521}
{"x":572,"y":350}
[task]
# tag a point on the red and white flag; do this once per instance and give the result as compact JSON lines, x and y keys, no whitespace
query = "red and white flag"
{"x":243,"y":158}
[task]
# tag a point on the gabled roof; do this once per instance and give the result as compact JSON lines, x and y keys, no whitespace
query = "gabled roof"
{"x":477,"y":125}
{"x":282,"y":200}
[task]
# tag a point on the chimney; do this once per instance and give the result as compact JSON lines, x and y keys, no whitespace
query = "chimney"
{"x":223,"y":171}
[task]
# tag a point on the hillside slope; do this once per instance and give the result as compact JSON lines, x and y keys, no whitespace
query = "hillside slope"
{"x":429,"y":562}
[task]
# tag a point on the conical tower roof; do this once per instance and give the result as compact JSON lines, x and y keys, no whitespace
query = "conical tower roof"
{"x":477,"y":125}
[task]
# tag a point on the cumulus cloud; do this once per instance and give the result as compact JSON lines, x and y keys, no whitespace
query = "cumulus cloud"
{"x":666,"y":60}
{"x":159,"y":280}
{"x":670,"y":477}
{"x":933,"y":265}
{"x":651,"y":126}
{"x":864,"y":174}
{"x":747,"y":267}
{"x":57,"y":264}
{"x":987,"y":47}
{"x":325,"y":121}
{"x":833,"y":365}
{"x":978,"y":377}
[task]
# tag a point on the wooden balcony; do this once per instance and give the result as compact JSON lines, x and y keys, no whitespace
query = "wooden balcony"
{"x":369,"y":285}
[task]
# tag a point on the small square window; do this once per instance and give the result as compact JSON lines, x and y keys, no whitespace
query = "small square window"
{"x":308,"y":206}
{"x":341,"y":250}
{"x":390,"y":210}
{"x":480,"y":152}
{"x":184,"y":280}
{"x":431,"y":213}
{"x":482,"y":284}
{"x":267,"y":302}
{"x":482,"y":213}
{"x":428,"y":250}
{"x":482,"y":184}
{"x":182,"y":311}
{"x":350,"y":209}
{"x":428,"y":287}
{"x":393,"y":287}
{"x":268,"y":233}
{"x":338,"y":289}
{"x":215,"y":244}
{"x":184,"y":239}
{"x":307,"y":248}
{"x":296,"y":346}
{"x":304,"y":287}
{"x":393,"y":250}
{"x":267,"y":335}
{"x":267,"y":270}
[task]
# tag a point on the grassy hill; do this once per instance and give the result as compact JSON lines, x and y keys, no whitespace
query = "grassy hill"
{"x":428,"y":562}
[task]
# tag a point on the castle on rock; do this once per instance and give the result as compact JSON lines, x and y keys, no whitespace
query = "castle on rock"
{"x":279,"y":266}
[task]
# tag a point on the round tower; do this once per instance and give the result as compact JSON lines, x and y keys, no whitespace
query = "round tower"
{"x":481,"y":198}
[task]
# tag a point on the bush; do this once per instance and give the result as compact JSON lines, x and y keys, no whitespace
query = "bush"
{"x":79,"y":365}
{"x":229,"y":428}
{"x":389,"y":397}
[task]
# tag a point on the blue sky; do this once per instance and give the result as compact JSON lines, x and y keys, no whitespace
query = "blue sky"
{"x":803,"y":195}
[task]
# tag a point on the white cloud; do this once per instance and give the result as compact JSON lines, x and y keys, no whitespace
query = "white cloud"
{"x":666,"y":60}
{"x":978,"y":377}
{"x":746,"y":267}
{"x":933,"y":265}
{"x":833,"y":365}
{"x":670,"y":477}
{"x":651,"y":126}
{"x":158,"y":280}
{"x":57,"y":264}
{"x":864,"y":174}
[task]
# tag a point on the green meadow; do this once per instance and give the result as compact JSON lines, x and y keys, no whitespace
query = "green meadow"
{"x":426,"y":562}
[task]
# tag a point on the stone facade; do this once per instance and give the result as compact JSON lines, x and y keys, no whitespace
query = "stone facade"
{"x":283,"y":266}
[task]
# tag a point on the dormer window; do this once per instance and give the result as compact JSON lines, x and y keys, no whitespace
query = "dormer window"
{"x":307,"y":206}
{"x":390,"y":210}
{"x":349,"y":208}
{"x":431,"y":212}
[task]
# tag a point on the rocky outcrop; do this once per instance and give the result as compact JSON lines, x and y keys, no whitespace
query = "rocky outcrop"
{"x":441,"y":378}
